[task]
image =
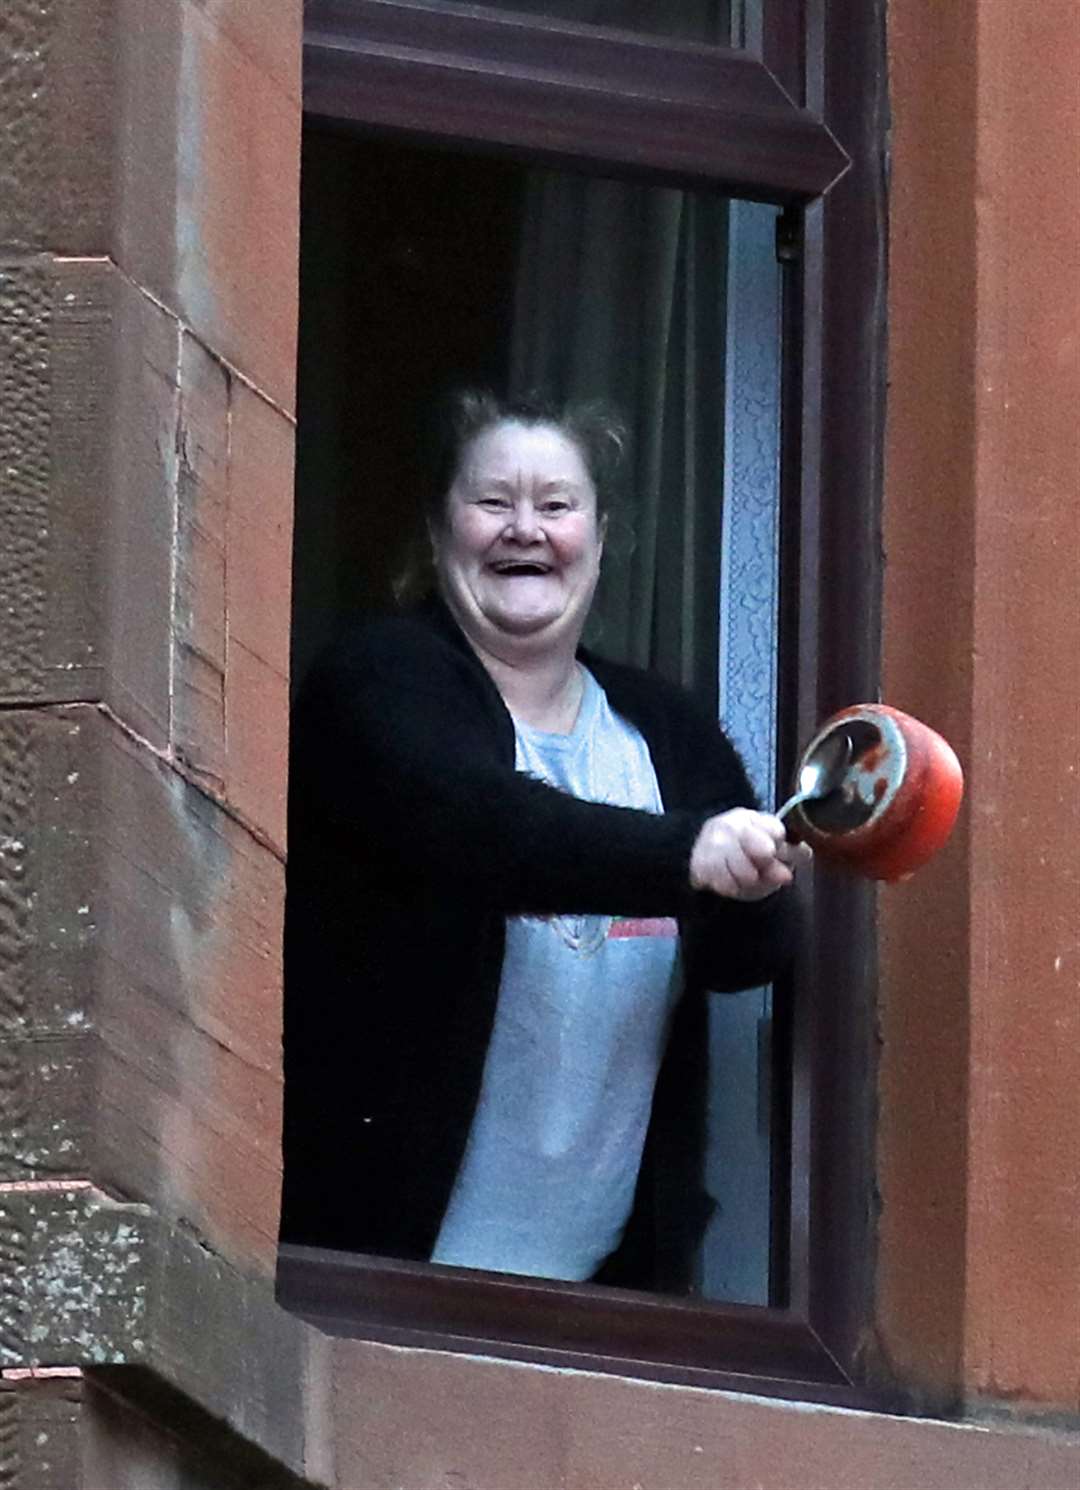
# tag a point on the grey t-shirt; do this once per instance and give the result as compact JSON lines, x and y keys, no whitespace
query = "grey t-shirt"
{"x":547,"y":1180}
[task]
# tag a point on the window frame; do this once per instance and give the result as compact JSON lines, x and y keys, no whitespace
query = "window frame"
{"x":801,"y":123}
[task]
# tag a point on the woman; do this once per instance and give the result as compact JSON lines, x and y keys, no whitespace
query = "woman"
{"x":510,"y":861}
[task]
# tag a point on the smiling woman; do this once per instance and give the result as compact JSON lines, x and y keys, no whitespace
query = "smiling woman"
{"x":517,"y":543}
{"x":517,"y":550}
{"x":516,"y":862}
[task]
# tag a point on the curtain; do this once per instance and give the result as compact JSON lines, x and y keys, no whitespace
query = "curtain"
{"x":620,"y":296}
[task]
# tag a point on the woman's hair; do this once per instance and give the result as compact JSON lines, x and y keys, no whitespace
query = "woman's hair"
{"x":593,"y":427}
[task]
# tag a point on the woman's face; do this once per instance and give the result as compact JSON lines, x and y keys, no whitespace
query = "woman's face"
{"x":518,"y":552}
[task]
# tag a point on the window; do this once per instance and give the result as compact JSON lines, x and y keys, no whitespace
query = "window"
{"x":537,"y":93}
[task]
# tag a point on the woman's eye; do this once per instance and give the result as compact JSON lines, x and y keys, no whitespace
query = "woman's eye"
{"x":494,"y":504}
{"x":555,"y":509}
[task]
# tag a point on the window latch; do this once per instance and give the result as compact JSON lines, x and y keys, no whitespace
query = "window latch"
{"x":789,"y":236}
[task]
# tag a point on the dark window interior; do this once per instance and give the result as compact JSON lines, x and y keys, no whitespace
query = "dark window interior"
{"x":416,"y":278}
{"x":406,"y":280}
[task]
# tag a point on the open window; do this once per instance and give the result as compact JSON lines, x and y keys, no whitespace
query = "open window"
{"x":509,"y":197}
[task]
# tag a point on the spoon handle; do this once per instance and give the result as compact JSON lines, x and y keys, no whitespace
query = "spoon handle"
{"x":793,"y":802}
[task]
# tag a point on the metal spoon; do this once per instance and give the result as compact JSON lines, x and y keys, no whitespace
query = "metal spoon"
{"x":822,"y":774}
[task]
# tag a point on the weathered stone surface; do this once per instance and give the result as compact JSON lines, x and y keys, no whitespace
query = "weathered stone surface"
{"x":56,"y":124}
{"x":235,"y":209}
{"x":979,"y":1240}
{"x":188,"y":1008}
{"x":207,"y":206}
{"x":48,"y":911}
{"x":164,"y":1445}
{"x":157,"y":136}
{"x":267,"y":33}
{"x":88,"y":369}
{"x":140,"y":965}
{"x":233,"y":568}
{"x":82,"y":1293}
{"x":40,"y":1421}
{"x":103,"y":1283}
{"x":419,"y":1418}
{"x":25,"y":399}
{"x":199,"y":638}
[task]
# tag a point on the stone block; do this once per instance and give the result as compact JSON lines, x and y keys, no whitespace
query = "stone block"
{"x":233,"y":567}
{"x":409,"y":1417}
{"x":140,"y":971}
{"x":209,"y":194}
{"x":49,"y":916}
{"x":47,"y":1107}
{"x":199,"y":638}
{"x":259,"y":575}
{"x":189,"y":1017}
{"x":258,"y":705}
{"x":57,"y":141}
{"x":88,"y":368}
{"x":40,"y":1420}
{"x":92,"y":1284}
{"x":165,"y":1445}
{"x":267,"y":32}
{"x":166,"y":138}
{"x":260,"y":527}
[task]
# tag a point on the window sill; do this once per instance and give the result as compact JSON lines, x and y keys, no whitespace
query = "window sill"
{"x":730,"y":1347}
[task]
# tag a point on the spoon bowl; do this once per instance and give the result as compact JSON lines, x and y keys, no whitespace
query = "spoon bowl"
{"x":822,"y":773}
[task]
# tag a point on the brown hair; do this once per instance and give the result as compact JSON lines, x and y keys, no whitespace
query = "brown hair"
{"x":593,"y":427}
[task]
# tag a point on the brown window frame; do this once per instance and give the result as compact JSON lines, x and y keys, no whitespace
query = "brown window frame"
{"x":802,"y":125}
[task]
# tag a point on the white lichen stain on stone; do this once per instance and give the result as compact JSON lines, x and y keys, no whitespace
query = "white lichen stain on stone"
{"x":88,"y":1291}
{"x":77,"y":1019}
{"x":72,"y":777}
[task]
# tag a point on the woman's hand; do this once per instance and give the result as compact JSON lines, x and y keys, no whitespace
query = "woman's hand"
{"x":745,"y":855}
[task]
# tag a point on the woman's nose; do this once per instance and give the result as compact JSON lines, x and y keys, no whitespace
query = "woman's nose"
{"x":524,"y":523}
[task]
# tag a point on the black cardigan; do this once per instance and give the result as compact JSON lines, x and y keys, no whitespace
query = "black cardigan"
{"x":411,"y":839}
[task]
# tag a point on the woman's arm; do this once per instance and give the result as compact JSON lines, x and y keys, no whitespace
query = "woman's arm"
{"x":402,"y":745}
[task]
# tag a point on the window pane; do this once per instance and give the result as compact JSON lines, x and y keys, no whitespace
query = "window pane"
{"x":720,"y":22}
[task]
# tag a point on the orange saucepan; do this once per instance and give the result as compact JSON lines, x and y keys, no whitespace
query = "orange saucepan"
{"x":894,"y":800}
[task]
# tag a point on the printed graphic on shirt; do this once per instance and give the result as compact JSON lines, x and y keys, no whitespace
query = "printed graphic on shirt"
{"x":632,"y":926}
{"x":586,"y":935}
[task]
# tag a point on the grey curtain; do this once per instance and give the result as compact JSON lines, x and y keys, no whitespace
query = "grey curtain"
{"x":620,"y":296}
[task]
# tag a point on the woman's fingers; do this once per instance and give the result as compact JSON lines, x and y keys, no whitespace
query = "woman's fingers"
{"x":797,"y":855}
{"x":744,"y":855}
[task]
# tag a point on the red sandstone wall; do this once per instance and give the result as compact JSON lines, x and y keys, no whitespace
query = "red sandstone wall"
{"x":148,"y":281}
{"x":980,"y":1131}
{"x":147,"y":299}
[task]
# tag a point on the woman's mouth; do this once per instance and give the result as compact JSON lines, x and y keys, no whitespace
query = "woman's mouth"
{"x":520,"y":567}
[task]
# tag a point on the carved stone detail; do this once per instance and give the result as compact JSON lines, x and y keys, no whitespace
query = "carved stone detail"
{"x":25,"y":403}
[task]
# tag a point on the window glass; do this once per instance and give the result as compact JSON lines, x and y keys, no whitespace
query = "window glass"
{"x":422,"y":271}
{"x":720,"y":22}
